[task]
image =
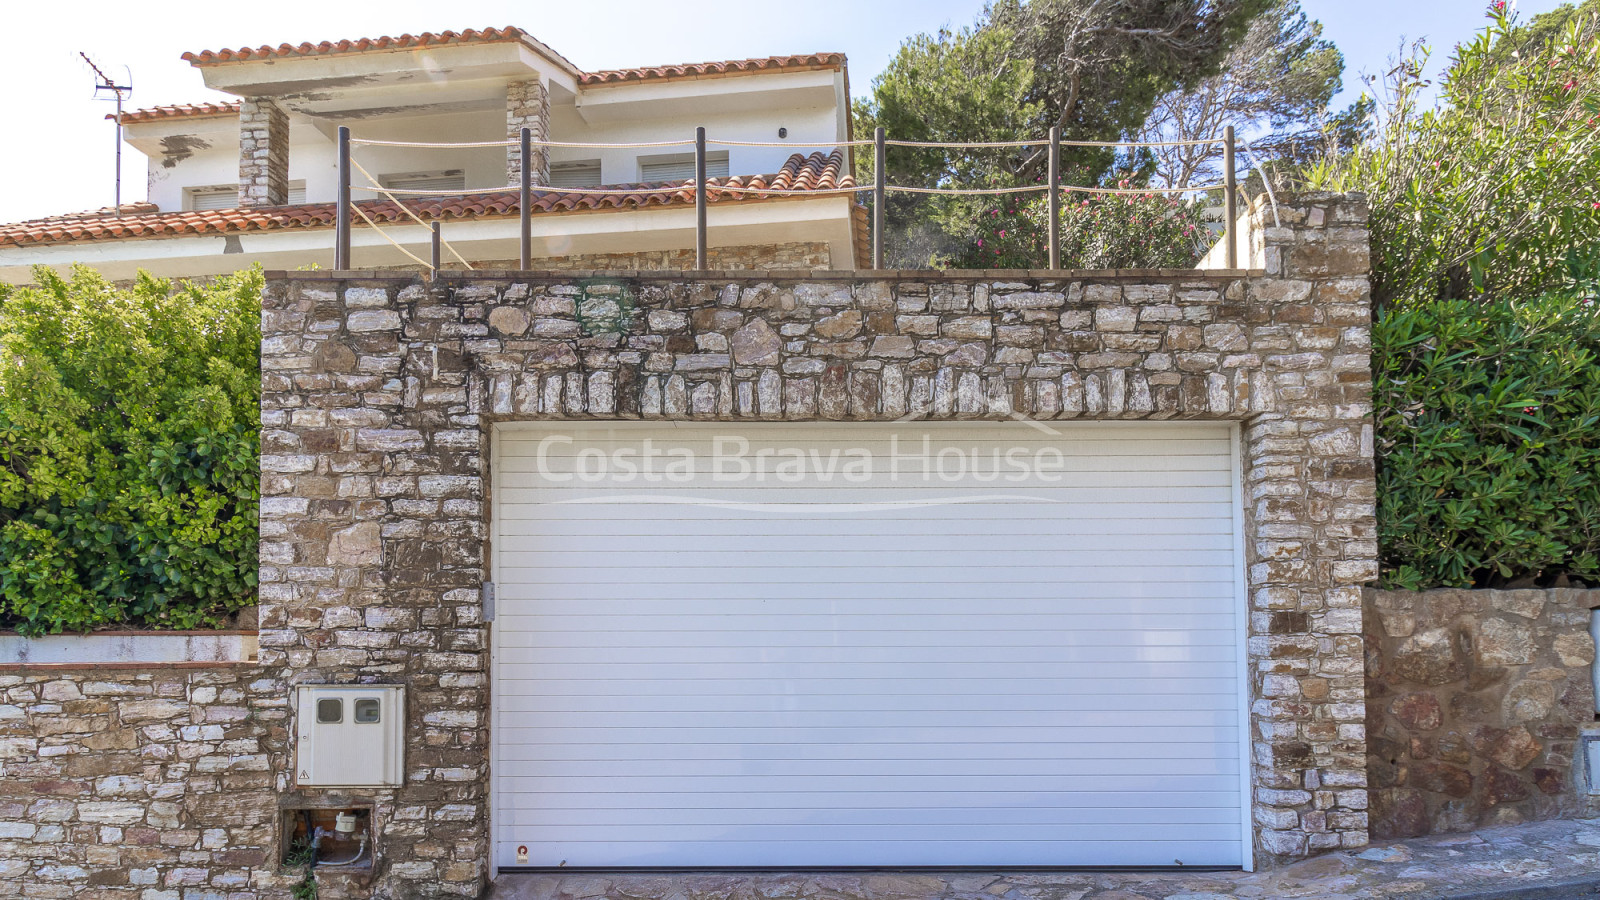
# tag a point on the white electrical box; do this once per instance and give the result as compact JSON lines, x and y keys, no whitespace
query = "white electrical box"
{"x":350,"y":735}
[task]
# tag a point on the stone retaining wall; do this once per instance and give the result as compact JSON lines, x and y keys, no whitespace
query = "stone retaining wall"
{"x":378,"y":393}
{"x":139,"y":784}
{"x":1475,"y":700}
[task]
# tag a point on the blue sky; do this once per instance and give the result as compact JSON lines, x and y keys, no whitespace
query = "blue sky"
{"x":60,"y":151}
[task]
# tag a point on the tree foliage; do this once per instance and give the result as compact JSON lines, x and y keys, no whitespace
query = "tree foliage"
{"x":129,"y":420}
{"x":1275,"y":89}
{"x":1093,"y":67}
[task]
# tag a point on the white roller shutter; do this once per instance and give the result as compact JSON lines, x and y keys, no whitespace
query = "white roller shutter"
{"x":889,"y":669}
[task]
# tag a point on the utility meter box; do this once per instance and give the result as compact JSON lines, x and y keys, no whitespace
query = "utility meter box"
{"x":350,"y":735}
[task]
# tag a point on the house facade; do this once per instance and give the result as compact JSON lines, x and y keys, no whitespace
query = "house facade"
{"x":254,"y":180}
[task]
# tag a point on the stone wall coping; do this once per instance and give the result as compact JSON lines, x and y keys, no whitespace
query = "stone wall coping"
{"x":129,"y":649}
{"x":129,"y":632}
{"x":11,"y":668}
{"x":678,"y":276}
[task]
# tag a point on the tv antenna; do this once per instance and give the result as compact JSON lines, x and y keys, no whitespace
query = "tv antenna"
{"x":104,"y":84}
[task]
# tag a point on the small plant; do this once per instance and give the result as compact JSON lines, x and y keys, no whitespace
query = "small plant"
{"x":302,"y":854}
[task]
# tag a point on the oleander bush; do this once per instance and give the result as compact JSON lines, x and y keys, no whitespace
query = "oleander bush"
{"x":1485,"y":241}
{"x":129,"y":436}
{"x":1494,"y":190}
{"x":1488,"y":426}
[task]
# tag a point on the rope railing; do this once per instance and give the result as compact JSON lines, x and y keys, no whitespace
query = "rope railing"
{"x":375,"y":186}
{"x":725,"y":142}
{"x":703,"y":187}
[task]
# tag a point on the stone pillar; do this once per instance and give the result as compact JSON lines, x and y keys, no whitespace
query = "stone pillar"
{"x":263,"y":153}
{"x":1310,"y":521}
{"x":527,"y":106}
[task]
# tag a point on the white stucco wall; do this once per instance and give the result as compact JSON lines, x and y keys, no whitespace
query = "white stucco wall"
{"x":809,"y":104}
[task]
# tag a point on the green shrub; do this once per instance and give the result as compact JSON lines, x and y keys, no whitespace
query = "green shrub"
{"x":1488,"y":440}
{"x":129,"y":422}
{"x":1496,"y":190}
{"x":1098,"y":231}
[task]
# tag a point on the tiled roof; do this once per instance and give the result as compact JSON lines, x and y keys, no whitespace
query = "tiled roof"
{"x":800,"y":173}
{"x":512,"y":33}
{"x":725,"y":67}
{"x":360,"y":45}
{"x":178,"y":111}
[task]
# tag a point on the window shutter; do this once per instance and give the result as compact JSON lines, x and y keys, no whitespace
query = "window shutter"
{"x":577,"y":174}
{"x":680,"y":167}
{"x":217,"y":196}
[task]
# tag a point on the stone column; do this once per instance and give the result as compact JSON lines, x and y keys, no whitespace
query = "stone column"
{"x":1310,"y":526}
{"x":263,"y":153}
{"x":527,"y":106}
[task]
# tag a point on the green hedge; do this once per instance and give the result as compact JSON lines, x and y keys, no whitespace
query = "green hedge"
{"x":129,"y":420}
{"x":1488,"y":419}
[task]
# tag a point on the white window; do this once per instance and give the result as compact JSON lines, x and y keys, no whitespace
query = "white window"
{"x":226,"y":196}
{"x":447,"y":180}
{"x":680,"y":166}
{"x":575,"y":174}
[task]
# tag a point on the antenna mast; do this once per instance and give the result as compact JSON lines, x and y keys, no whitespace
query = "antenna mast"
{"x":119,"y":92}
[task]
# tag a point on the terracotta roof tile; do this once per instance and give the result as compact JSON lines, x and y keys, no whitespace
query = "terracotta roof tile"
{"x":725,"y":67}
{"x":802,"y":173}
{"x":359,"y":45}
{"x":512,"y":33}
{"x":178,"y":111}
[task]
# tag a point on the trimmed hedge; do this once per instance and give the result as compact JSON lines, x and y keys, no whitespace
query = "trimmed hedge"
{"x":1488,"y":417}
{"x":129,"y":439}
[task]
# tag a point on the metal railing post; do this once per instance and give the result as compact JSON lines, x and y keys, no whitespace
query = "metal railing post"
{"x":1231,"y":201}
{"x":525,"y":201}
{"x":879,"y":179}
{"x":1055,"y":196}
{"x":435,"y":246}
{"x":700,"y":198}
{"x":341,"y":214}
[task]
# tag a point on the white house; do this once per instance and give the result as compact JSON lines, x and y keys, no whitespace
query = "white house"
{"x":255,"y":180}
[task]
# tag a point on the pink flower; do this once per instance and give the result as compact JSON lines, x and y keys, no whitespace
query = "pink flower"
{"x":1002,"y":232}
{"x":1569,"y":85}
{"x":980,"y":242}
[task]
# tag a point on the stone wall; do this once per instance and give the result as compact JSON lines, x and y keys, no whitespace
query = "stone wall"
{"x":263,"y":153}
{"x":378,"y":393}
{"x":1475,"y":700}
{"x":137,"y":783}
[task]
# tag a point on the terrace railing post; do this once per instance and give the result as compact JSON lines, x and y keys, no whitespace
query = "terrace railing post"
{"x":1231,"y":198}
{"x":1055,"y":197}
{"x":700,"y":198}
{"x":341,"y":214}
{"x":435,"y":246}
{"x":879,"y":179}
{"x":525,"y":201}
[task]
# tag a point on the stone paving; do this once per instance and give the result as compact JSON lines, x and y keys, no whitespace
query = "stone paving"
{"x":1547,"y":859}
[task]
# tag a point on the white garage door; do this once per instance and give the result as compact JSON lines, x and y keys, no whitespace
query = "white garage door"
{"x":957,"y":644}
